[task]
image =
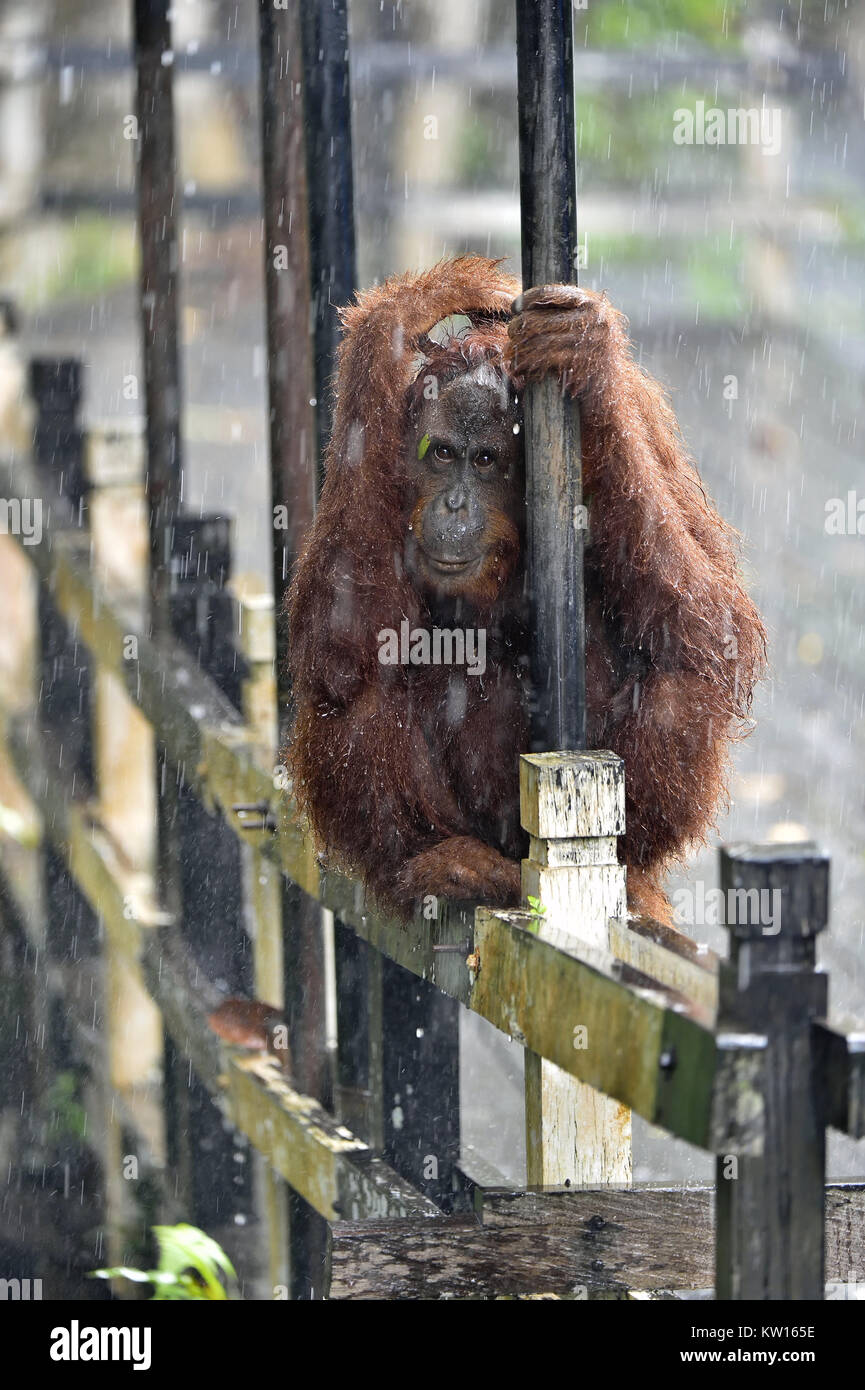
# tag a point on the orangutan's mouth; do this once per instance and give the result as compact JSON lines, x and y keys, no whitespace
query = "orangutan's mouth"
{"x":447,"y":566}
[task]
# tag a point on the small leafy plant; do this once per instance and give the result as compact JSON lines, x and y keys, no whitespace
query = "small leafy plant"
{"x":191,"y":1266}
{"x":536,"y":910}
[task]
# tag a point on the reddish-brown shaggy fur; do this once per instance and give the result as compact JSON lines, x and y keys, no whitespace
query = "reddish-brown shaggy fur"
{"x":416,"y":803}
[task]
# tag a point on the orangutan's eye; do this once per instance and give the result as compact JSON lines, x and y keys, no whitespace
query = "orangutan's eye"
{"x":443,"y":453}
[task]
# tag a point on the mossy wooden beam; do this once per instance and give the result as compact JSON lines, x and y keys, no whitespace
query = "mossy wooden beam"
{"x":335,"y":1172}
{"x":616,"y":1029}
{"x":668,"y":957}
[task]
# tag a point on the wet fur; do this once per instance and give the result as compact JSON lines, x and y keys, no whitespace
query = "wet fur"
{"x":409,"y":775}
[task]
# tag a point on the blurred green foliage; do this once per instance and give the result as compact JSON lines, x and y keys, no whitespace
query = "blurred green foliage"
{"x":623,"y":24}
{"x":85,"y":256}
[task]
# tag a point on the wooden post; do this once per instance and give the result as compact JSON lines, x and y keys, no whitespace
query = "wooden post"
{"x":125,"y":772}
{"x":573,"y":807}
{"x":263,"y":896}
{"x":770,"y":1209}
{"x":209,"y":865}
{"x":255,"y":628}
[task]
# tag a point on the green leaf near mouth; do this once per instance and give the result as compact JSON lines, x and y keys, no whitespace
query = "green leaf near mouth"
{"x":423,"y":446}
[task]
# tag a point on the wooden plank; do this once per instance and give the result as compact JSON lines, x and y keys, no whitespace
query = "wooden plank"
{"x":333,"y":1171}
{"x":311,"y":1149}
{"x":330,"y":1168}
{"x":668,"y":957}
{"x":539,"y":991}
{"x":574,"y":1244}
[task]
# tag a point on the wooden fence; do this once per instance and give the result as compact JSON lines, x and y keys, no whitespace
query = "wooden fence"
{"x":166,"y":873}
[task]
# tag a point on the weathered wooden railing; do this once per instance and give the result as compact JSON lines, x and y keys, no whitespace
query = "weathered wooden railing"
{"x":762,"y":1078}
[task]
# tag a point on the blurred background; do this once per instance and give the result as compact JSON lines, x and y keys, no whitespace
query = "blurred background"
{"x":742,"y":273}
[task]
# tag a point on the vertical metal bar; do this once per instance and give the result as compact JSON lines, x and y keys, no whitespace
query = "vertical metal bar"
{"x":160,"y":356}
{"x":306,"y":140}
{"x":157,"y":221}
{"x":393,"y":1008}
{"x":331,"y":183}
{"x":770,"y":1209}
{"x":288,"y":277}
{"x":548,"y":203}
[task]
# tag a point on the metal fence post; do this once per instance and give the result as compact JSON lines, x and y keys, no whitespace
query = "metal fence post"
{"x":555,"y":532}
{"x":293,"y":386}
{"x":157,"y":222}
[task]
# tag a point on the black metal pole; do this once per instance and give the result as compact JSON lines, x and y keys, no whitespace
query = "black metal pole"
{"x":157,"y":228}
{"x":309,"y":223}
{"x":157,"y":221}
{"x":331,"y":183}
{"x":290,"y":329}
{"x":548,"y":203}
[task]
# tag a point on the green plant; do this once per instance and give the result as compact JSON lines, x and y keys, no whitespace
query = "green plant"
{"x":191,"y":1266}
{"x":537,"y":911}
